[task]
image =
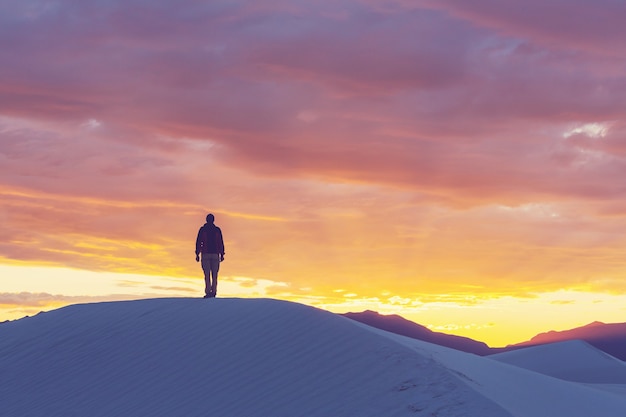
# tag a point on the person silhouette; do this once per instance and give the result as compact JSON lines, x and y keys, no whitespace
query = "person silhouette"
{"x":210,"y":243}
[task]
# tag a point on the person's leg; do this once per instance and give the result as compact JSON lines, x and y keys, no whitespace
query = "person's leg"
{"x":215,"y":267}
{"x":206,"y":267}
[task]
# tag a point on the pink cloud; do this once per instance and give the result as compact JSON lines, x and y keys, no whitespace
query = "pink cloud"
{"x":239,"y":75}
{"x":592,"y":25}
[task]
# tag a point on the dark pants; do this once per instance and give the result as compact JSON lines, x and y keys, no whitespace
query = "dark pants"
{"x":210,"y":266}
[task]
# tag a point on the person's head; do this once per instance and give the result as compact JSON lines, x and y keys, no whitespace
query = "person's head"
{"x":210,"y":218}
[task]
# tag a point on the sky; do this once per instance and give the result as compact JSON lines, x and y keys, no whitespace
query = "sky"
{"x":459,"y":164}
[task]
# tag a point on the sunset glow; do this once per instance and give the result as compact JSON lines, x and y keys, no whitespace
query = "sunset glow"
{"x":462,"y":164}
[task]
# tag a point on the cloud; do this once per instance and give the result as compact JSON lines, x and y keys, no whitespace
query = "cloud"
{"x":357,"y":138}
{"x":576,"y":24}
{"x":27,"y":299}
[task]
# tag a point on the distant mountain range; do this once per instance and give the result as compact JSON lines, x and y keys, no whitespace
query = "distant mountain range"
{"x":610,"y":338}
{"x":399,"y":325}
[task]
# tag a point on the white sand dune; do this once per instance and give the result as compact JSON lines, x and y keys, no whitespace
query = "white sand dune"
{"x":573,"y":360}
{"x":257,"y":357}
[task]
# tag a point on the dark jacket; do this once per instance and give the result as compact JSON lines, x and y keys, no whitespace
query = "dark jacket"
{"x":210,"y":240}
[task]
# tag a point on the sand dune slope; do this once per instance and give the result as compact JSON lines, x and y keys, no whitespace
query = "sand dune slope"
{"x":220,"y":357}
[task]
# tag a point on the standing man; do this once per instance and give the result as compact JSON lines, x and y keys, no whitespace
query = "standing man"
{"x":210,"y":244}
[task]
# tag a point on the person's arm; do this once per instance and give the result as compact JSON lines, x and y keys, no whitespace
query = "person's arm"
{"x":220,"y":243}
{"x":198,"y":245}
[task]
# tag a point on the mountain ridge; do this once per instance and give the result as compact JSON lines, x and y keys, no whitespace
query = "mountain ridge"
{"x":397,"y":324}
{"x":608,"y":337}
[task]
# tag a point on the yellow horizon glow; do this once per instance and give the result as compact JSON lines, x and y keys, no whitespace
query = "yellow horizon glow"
{"x":495,"y":320}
